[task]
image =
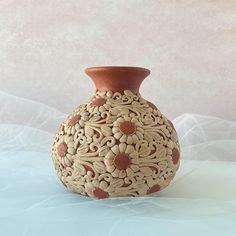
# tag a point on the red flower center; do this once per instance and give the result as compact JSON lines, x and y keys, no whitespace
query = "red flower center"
{"x":99,"y":193}
{"x":99,"y":102}
{"x":74,"y":119}
{"x":127,"y":127}
{"x":153,"y":189}
{"x":122,"y":161}
{"x":62,"y":149}
{"x":175,"y":156}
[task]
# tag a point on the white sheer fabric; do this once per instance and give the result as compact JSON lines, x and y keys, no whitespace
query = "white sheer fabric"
{"x":200,"y":201}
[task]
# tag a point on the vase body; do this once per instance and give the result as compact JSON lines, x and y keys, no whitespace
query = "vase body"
{"x":117,"y":144}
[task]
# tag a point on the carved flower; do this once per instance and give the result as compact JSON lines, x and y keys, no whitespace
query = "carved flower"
{"x":64,"y":150}
{"x":98,"y":105}
{"x":127,"y":129}
{"x":98,"y":189}
{"x":122,"y":160}
{"x":75,"y":121}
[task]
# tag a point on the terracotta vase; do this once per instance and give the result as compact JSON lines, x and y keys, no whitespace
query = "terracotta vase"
{"x":117,"y":144}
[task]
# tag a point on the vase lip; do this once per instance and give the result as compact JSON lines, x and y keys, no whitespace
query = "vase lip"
{"x":118,"y":68}
{"x":117,"y":78}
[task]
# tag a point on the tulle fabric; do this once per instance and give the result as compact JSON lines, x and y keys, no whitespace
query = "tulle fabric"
{"x":200,"y":201}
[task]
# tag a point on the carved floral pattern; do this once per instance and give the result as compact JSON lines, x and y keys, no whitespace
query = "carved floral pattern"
{"x":116,"y":145}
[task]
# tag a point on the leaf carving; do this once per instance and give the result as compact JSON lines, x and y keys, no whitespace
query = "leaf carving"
{"x":99,"y":167}
{"x":144,"y":151}
{"x":83,"y":149}
{"x":89,"y":131}
{"x":106,"y":130}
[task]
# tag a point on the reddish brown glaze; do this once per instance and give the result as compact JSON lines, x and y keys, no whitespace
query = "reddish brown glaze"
{"x":117,"y":78}
{"x":99,"y":102}
{"x":122,"y":161}
{"x":99,"y":193}
{"x":88,"y":168}
{"x":73,"y":120}
{"x":127,"y":127}
{"x":62,"y":149}
{"x":175,"y":156}
{"x":153,"y":189}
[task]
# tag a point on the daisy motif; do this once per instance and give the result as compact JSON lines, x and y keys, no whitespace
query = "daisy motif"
{"x":98,"y":189}
{"x":98,"y":105}
{"x":64,"y":150}
{"x":122,"y":160}
{"x":75,"y":122}
{"x":127,"y":129}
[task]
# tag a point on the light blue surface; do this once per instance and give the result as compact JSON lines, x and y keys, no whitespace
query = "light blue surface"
{"x":34,"y":202}
{"x":200,"y":201}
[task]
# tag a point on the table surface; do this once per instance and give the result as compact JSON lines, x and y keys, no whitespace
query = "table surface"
{"x":200,"y":201}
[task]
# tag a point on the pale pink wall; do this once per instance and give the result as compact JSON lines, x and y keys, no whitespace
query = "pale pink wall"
{"x":190,"y":46}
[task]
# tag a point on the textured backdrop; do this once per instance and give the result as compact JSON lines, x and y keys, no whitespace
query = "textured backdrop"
{"x":190,"y":47}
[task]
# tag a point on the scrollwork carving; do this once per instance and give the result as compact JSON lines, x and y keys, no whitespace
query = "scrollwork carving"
{"x":116,"y":145}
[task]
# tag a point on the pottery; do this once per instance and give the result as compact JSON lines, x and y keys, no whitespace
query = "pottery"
{"x":117,"y":144}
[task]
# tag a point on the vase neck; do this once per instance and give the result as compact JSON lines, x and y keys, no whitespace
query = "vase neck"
{"x":117,"y":78}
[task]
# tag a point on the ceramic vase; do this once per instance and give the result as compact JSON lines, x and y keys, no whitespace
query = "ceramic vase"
{"x":117,"y":144}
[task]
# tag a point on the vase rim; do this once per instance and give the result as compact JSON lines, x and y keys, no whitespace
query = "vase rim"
{"x":117,"y":78}
{"x":118,"y":68}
